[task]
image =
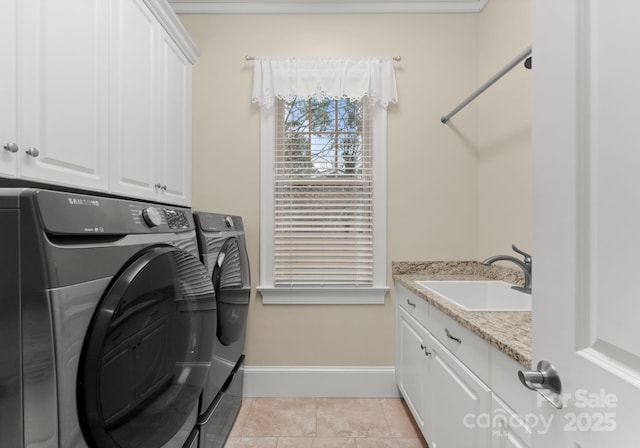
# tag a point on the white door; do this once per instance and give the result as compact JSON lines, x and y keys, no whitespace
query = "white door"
{"x":586,"y":225}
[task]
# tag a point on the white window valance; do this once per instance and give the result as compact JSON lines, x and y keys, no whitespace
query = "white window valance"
{"x":286,"y":78}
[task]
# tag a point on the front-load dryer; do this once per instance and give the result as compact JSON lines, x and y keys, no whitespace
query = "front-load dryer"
{"x":222,"y":243}
{"x":108,"y":318}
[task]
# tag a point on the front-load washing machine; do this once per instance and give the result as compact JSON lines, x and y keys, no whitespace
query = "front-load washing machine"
{"x":108,"y":317}
{"x":223,"y":250}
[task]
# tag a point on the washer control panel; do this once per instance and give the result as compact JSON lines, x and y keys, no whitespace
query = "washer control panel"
{"x":176,"y":219}
{"x":154,"y":216}
{"x":66,"y":213}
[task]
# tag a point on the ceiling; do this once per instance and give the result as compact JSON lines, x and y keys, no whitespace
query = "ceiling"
{"x":326,"y":6}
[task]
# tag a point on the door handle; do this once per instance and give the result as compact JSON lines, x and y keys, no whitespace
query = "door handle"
{"x":545,"y":378}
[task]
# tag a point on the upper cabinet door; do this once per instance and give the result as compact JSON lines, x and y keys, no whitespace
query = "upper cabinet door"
{"x":63,"y":95}
{"x":8,"y":88}
{"x":134,"y":98}
{"x":175,"y":122}
{"x":151,"y":107}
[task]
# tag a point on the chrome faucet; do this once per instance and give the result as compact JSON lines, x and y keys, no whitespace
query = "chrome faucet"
{"x":525,"y":265}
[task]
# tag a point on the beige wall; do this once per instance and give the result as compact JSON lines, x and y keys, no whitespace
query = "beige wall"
{"x":433,"y":193}
{"x":504,"y":130}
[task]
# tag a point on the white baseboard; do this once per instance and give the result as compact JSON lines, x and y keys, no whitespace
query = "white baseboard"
{"x":334,"y":382}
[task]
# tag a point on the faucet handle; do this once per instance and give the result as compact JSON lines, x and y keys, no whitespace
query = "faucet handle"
{"x":527,"y":257}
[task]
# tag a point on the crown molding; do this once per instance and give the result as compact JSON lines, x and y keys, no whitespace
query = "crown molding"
{"x":167,"y":18}
{"x":326,"y":7}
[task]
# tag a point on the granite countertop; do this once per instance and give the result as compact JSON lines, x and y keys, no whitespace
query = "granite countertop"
{"x":509,"y":331}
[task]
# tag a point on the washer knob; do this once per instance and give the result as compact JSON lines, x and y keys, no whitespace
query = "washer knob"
{"x":228,"y":221}
{"x":151,"y":216}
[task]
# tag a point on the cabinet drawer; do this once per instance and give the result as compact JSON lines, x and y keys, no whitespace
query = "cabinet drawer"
{"x":417,"y":307}
{"x":469,"y":348}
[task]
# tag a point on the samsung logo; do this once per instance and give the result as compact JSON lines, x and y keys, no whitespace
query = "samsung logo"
{"x":88,"y":202}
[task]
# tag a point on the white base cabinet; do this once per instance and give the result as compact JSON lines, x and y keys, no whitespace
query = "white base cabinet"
{"x":509,"y":430}
{"x":455,"y":397}
{"x":97,"y":96}
{"x":443,"y":395}
{"x":447,"y":384}
{"x":411,"y":366}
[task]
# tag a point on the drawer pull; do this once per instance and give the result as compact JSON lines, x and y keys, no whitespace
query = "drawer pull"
{"x":450,"y":336}
{"x":425,"y":350}
{"x":410,"y":303}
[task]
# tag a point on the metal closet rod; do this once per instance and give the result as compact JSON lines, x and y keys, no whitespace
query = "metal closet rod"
{"x":251,"y":58}
{"x":487,"y":84}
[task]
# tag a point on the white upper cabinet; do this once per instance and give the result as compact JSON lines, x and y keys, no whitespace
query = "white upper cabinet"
{"x":8,"y":84}
{"x":57,"y":132}
{"x":175,"y":122}
{"x":63,"y":122}
{"x":101,"y":98}
{"x":151,"y":113}
{"x":134,"y":96}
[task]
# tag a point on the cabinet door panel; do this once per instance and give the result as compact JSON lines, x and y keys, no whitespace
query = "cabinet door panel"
{"x":134,"y":98}
{"x":175,"y":145}
{"x":458,"y":403}
{"x":412,"y":365}
{"x":510,"y":430}
{"x":64,"y":91}
{"x":8,"y":86}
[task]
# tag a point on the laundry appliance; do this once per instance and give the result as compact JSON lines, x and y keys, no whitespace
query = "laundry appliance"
{"x":107,"y":322}
{"x":222,"y":244}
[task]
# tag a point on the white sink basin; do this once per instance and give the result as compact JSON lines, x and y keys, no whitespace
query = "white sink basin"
{"x":484,"y":295}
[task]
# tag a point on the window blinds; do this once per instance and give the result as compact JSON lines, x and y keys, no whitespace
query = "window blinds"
{"x":323,"y":201}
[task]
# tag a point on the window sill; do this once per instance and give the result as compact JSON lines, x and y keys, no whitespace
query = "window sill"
{"x":323,"y":296}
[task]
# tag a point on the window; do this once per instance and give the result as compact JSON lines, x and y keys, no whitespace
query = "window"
{"x":323,"y":210}
{"x":323,"y":199}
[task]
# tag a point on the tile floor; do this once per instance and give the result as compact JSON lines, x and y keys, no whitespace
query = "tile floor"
{"x":324,"y":423}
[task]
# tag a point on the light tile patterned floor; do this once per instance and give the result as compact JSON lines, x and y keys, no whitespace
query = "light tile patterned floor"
{"x":324,"y":423}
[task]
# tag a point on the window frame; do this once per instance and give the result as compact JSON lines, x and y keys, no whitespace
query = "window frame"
{"x":374,"y":294}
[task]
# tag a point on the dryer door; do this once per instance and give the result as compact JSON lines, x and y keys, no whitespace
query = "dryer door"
{"x":147,"y":352}
{"x":232,"y":283}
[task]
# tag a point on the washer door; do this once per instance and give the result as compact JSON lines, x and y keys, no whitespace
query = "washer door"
{"x":232,"y":283}
{"x":147,"y":351}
